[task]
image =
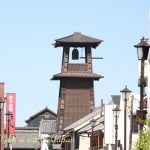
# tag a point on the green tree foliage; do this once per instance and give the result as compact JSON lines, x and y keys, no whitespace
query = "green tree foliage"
{"x":143,"y":142}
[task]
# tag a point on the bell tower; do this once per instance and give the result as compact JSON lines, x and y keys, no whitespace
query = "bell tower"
{"x":76,"y":92}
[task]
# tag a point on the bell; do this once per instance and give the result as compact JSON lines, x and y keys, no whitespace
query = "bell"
{"x":75,"y":54}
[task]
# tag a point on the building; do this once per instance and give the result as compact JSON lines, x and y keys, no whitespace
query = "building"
{"x":82,"y":136}
{"x":35,"y":135}
{"x":46,"y":131}
{"x":26,"y":138}
{"x":76,"y":92}
{"x":131,"y":122}
{"x":45,"y":114}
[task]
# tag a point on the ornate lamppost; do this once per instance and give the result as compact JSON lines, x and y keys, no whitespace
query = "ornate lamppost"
{"x":125,"y":96}
{"x":116,"y":112}
{"x":8,"y":119}
{"x":142,"y":51}
{"x":92,"y":122}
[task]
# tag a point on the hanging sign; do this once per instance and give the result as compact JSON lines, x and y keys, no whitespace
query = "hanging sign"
{"x":10,"y":113}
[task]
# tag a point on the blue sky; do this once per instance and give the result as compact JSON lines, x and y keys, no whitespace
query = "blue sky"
{"x":28,"y":60}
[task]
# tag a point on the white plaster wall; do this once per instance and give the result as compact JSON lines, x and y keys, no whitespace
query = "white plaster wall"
{"x":134,"y":138}
{"x":44,"y":144}
{"x":121,"y":121}
{"x":44,"y":141}
{"x":109,"y":124}
{"x":84,"y":143}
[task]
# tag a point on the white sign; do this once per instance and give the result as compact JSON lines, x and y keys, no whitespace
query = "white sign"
{"x":108,"y":124}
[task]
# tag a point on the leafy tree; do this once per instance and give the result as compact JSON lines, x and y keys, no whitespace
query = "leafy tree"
{"x":143,"y":142}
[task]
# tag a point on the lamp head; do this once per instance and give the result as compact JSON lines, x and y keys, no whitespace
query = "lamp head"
{"x":142,"y":49}
{"x":116,"y":111}
{"x":125,"y":93}
{"x":93,"y":122}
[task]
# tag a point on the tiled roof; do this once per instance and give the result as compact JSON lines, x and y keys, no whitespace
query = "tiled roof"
{"x":77,"y":75}
{"x":78,"y":40}
{"x":47,"y":126}
{"x":84,"y":119}
{"x":99,"y":125}
{"x":26,"y":138}
{"x":40,"y":112}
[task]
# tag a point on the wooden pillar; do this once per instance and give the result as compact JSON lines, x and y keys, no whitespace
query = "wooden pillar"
{"x":88,"y":58}
{"x":65,"y":59}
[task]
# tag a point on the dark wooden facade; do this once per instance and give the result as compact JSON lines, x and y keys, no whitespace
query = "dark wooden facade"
{"x":76,"y":93}
{"x":45,"y":114}
{"x":96,"y":141}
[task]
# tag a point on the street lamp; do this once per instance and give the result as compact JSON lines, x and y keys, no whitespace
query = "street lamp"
{"x":8,"y":117}
{"x":1,"y":124}
{"x":92,"y":122}
{"x":116,"y":112}
{"x":125,"y":96}
{"x":142,"y":51}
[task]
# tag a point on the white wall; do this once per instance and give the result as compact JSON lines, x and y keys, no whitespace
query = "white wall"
{"x":84,"y":142}
{"x":121,"y":121}
{"x":44,"y":141}
{"x":109,"y":124}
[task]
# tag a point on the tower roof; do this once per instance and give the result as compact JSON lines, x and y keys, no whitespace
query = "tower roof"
{"x":77,"y":75}
{"x":78,"y":40}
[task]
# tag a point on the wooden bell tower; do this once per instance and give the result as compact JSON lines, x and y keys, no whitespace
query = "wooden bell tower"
{"x":76,"y":92}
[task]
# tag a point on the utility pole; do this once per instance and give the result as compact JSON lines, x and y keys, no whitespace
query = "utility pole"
{"x":143,"y":52}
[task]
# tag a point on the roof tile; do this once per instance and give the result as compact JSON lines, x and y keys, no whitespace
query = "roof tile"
{"x":78,"y":40}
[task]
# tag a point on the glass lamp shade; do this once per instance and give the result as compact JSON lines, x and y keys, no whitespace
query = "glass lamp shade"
{"x":125,"y":93}
{"x":116,"y":112}
{"x":142,"y":49}
{"x":139,"y":53}
{"x":142,"y":53}
{"x":93,"y":122}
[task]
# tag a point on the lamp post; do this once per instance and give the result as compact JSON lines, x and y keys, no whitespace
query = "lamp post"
{"x":8,"y":119}
{"x":125,"y":96}
{"x":116,"y":112}
{"x":142,"y":51}
{"x":1,"y":124}
{"x":92,"y":122}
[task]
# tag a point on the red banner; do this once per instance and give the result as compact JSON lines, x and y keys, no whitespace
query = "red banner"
{"x":10,"y":113}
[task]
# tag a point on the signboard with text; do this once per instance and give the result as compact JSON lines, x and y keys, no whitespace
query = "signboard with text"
{"x":10,"y":113}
